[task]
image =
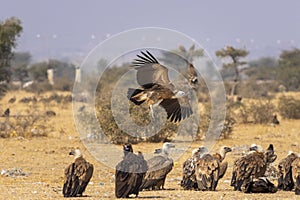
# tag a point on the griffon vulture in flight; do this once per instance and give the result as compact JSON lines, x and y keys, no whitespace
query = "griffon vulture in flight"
{"x":77,"y":175}
{"x":285,"y":179}
{"x":157,"y":89}
{"x":251,"y":166}
{"x":296,"y":174}
{"x":129,"y":173}
{"x":189,"y":180}
{"x":158,"y":168}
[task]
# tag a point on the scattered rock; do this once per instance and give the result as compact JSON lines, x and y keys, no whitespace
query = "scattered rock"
{"x":14,"y":172}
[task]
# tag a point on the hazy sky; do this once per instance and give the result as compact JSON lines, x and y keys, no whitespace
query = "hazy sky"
{"x":66,"y":27}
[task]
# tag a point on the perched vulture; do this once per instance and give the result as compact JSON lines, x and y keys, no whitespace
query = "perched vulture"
{"x":189,"y":180}
{"x":77,"y":175}
{"x":260,"y":185}
{"x":275,"y":120}
{"x":296,"y":174}
{"x":129,"y":173}
{"x":221,"y":156}
{"x":207,"y":170}
{"x":6,"y":113}
{"x":158,"y":169}
{"x":157,"y":90}
{"x":12,"y":100}
{"x":285,"y":179}
{"x":253,"y":165}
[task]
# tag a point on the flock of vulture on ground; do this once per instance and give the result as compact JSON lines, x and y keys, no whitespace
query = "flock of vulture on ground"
{"x":201,"y":171}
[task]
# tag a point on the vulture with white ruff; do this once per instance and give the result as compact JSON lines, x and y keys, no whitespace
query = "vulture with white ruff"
{"x":77,"y":175}
{"x":158,"y":168}
{"x":157,"y":89}
{"x":251,"y":166}
{"x":189,"y":180}
{"x":296,"y":174}
{"x":285,"y":179}
{"x":129,"y":173}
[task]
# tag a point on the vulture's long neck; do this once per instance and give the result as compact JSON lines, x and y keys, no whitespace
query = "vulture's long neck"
{"x":222,"y":154}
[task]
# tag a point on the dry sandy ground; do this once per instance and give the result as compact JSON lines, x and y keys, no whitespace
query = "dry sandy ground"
{"x":45,"y":158}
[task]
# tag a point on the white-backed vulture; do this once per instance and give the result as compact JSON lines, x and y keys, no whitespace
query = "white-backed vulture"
{"x":157,"y":89}
{"x":221,"y":156}
{"x":207,"y":172}
{"x":296,"y":174}
{"x":189,"y":180}
{"x":285,"y":179}
{"x":253,"y":165}
{"x":77,"y":175}
{"x":129,"y":173}
{"x":158,"y":169}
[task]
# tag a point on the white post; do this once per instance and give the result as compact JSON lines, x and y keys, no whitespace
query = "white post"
{"x":50,"y":76}
{"x":78,"y":75}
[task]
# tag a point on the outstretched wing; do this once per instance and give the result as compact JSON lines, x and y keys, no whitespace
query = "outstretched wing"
{"x":150,"y":71}
{"x":177,"y":108}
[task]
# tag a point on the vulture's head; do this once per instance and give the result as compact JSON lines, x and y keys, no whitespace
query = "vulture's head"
{"x":180,"y":94}
{"x":256,"y":148}
{"x":127,"y":148}
{"x":225,"y":150}
{"x":270,"y":155}
{"x":166,"y":148}
{"x":76,"y":153}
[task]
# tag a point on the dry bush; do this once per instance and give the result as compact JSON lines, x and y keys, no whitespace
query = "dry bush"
{"x":205,"y":119}
{"x":39,"y":87}
{"x":257,"y":89}
{"x":289,"y":107}
{"x":258,"y":112}
{"x":28,"y":124}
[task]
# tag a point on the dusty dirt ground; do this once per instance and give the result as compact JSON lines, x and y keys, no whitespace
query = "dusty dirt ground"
{"x":45,"y":158}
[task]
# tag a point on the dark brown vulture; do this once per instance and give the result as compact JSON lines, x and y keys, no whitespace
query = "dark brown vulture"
{"x":77,"y":175}
{"x":12,"y":100}
{"x":296,"y":174}
{"x":253,"y":165}
{"x":275,"y":120}
{"x":157,"y":90}
{"x":260,"y":185}
{"x":158,"y":169}
{"x":285,"y":179}
{"x":129,"y":173}
{"x":207,"y":170}
{"x":189,"y":180}
{"x":221,"y":156}
{"x":6,"y":113}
